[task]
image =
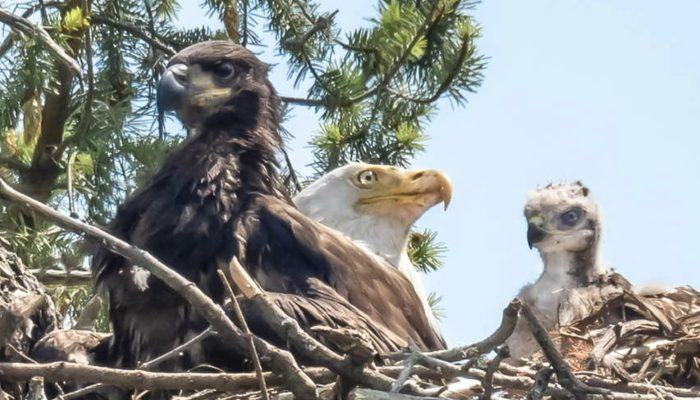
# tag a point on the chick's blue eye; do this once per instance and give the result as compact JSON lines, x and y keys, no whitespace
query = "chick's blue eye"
{"x":571,"y":217}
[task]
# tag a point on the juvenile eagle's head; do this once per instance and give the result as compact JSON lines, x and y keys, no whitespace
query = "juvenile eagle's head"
{"x":217,"y":81}
{"x":562,"y":218}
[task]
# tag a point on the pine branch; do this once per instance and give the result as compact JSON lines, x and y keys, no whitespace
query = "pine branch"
{"x":12,"y":36}
{"x":155,"y":42}
{"x":449,"y":79}
{"x":430,"y":21}
{"x":27,"y":27}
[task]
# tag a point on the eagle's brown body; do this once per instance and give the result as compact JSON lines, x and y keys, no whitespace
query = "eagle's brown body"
{"x":219,"y":196}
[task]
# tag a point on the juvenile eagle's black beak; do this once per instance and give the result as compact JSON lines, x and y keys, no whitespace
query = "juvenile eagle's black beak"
{"x":172,"y":88}
{"x":535,"y":234}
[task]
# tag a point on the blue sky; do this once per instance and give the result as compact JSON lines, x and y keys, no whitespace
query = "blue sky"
{"x":602,"y":91}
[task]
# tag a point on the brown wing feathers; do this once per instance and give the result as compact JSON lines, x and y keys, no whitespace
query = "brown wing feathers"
{"x":220,"y":196}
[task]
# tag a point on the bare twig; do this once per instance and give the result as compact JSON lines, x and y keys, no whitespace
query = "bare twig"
{"x":302,"y":342}
{"x":145,"y":366}
{"x":370,"y":394}
{"x":63,"y":371}
{"x":292,"y":172}
{"x":280,"y":361}
{"x":497,"y":338}
{"x":405,"y":373}
{"x":25,"y":26}
{"x":541,"y":382}
{"x":487,"y":382}
{"x":244,"y":325}
{"x":177,"y":350}
{"x":302,"y":101}
{"x":70,"y":278}
{"x":561,"y":368}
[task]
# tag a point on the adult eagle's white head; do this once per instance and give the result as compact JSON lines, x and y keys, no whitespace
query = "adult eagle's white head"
{"x":376,"y":205}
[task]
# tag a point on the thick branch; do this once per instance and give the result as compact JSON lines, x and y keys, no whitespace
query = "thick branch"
{"x":25,"y":26}
{"x":279,"y":360}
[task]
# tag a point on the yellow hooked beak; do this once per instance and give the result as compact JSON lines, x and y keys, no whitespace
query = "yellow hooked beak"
{"x":421,"y":188}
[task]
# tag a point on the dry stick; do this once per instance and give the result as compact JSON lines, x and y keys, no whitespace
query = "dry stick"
{"x":177,"y":350}
{"x":64,"y":371}
{"x":370,"y":394}
{"x":487,"y":383}
{"x":564,"y":374}
{"x":405,"y":373}
{"x":244,"y":325}
{"x":302,"y":342}
{"x":244,"y":382}
{"x":280,"y":361}
{"x":541,"y":382}
{"x":638,"y":387}
{"x":25,"y":26}
{"x":70,"y":278}
{"x":497,"y":338}
{"x":145,"y":366}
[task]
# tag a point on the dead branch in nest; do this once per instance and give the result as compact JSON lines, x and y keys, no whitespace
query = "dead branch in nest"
{"x":579,"y":389}
{"x":370,"y":394}
{"x":64,"y":371}
{"x":245,"y":382}
{"x":70,"y":278}
{"x":145,"y":366}
{"x":497,"y":338}
{"x":487,"y":383}
{"x":279,"y":360}
{"x":541,"y":382}
{"x":27,"y":27}
{"x":251,"y":343}
{"x":302,"y":342}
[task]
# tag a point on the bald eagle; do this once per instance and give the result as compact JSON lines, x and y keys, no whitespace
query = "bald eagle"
{"x":564,"y":224}
{"x":220,"y":196}
{"x":376,"y":205}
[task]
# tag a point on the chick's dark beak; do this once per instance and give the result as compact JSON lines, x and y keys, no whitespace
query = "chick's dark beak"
{"x":535,"y":234}
{"x":172,"y":88}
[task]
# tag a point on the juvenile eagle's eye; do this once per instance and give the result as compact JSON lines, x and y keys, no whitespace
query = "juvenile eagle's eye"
{"x":366,"y":178}
{"x":224,"y":71}
{"x":571,"y":217}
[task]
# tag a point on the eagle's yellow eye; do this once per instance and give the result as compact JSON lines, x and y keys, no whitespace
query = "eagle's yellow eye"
{"x":366,"y":178}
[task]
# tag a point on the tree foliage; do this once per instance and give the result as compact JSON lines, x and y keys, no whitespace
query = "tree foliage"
{"x":83,"y":142}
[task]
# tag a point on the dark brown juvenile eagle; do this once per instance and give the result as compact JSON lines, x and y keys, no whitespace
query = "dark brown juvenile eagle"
{"x":219,"y":196}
